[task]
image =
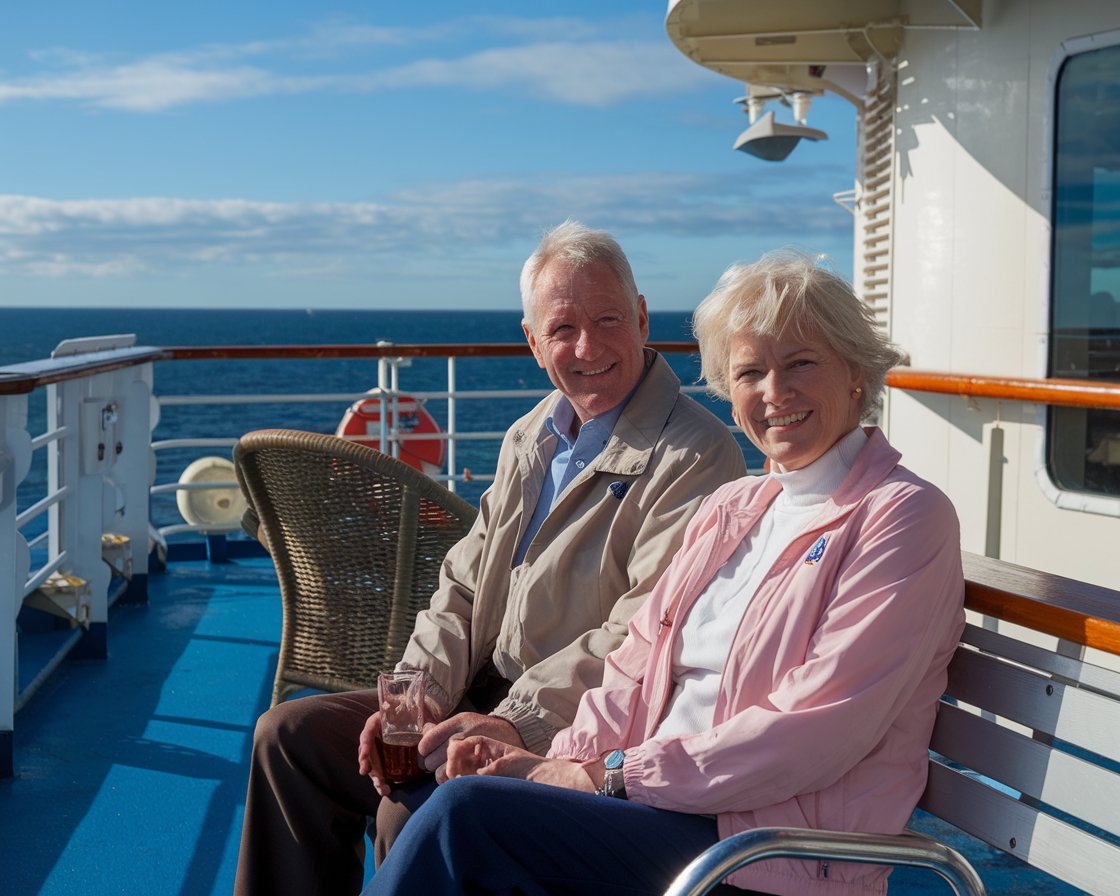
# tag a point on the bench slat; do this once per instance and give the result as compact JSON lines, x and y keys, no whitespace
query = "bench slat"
{"x":1001,"y":821}
{"x":1095,"y":678}
{"x":1069,"y":784}
{"x":1030,"y":762}
{"x":1076,"y":716}
{"x":1080,"y":612}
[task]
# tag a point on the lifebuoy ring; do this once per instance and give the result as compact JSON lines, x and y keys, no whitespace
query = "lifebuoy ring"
{"x":219,"y":508}
{"x":362,"y":424}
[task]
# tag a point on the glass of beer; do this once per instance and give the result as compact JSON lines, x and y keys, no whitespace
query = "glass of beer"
{"x":400,"y":696}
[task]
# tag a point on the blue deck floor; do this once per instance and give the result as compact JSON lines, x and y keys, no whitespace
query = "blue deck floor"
{"x":130,"y":772}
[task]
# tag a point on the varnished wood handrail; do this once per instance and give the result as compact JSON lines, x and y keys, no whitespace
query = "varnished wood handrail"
{"x":1065,"y":608}
{"x":357,"y":350}
{"x":1073,"y":393}
{"x":435,"y":350}
{"x":20,"y":379}
{"x":24,"y":378}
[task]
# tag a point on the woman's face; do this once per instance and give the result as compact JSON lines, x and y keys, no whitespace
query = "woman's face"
{"x":793,"y":396}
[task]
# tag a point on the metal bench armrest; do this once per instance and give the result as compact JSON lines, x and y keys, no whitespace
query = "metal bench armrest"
{"x":914,"y":850}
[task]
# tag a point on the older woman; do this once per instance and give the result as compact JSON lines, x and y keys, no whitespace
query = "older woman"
{"x":787,"y":667}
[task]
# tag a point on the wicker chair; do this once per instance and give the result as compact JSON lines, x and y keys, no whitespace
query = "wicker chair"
{"x":358,"y":538}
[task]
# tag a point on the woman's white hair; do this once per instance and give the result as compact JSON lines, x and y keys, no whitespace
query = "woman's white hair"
{"x":788,"y":291}
{"x":580,"y":246}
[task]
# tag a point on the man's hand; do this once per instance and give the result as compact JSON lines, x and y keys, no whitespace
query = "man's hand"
{"x":476,"y":755}
{"x":369,"y":763}
{"x":433,"y":745}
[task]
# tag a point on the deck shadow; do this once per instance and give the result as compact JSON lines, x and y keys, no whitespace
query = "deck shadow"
{"x":131,"y":771}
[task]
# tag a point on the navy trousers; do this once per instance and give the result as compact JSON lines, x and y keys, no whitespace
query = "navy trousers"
{"x":483,"y":835}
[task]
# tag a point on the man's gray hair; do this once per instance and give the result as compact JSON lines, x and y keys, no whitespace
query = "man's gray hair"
{"x":580,"y":246}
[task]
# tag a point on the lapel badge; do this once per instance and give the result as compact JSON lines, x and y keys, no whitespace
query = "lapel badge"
{"x":816,"y":551}
{"x":618,"y":489}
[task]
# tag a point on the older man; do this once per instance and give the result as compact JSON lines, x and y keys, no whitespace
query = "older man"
{"x":589,"y":503}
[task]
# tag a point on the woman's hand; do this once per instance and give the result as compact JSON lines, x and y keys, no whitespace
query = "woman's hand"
{"x":485,"y":756}
{"x":433,"y":745}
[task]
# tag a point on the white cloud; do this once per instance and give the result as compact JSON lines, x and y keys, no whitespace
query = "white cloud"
{"x":582,"y":74}
{"x":340,"y":35}
{"x":121,"y":237}
{"x":337,"y":57}
{"x":148,"y":86}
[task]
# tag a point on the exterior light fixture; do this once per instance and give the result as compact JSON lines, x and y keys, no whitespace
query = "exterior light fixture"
{"x":773,"y":141}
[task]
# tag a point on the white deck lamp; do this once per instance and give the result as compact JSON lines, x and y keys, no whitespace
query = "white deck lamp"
{"x":773,"y":141}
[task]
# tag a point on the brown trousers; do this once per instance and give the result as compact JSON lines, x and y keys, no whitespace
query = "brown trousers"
{"x":307,"y":808}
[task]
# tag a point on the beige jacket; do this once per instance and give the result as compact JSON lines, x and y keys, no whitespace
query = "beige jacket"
{"x":548,"y":623}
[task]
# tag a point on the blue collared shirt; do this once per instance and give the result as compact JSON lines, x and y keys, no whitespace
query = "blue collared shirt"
{"x":568,"y":460}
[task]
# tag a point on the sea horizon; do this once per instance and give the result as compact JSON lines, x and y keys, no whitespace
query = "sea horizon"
{"x":31,"y":335}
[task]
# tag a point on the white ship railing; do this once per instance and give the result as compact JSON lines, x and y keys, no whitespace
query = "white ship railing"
{"x":94,"y":445}
{"x":85,"y":540}
{"x":83,"y":421}
{"x":387,"y":391}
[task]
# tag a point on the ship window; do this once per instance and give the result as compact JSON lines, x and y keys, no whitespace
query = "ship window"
{"x":1083,"y":446}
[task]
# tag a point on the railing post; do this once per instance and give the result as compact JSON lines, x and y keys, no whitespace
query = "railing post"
{"x":104,"y":465}
{"x":452,"y":427}
{"x":395,"y":398}
{"x":993,"y":528}
{"x":131,"y":475}
{"x":88,"y":413}
{"x":382,"y":390}
{"x":15,"y":460}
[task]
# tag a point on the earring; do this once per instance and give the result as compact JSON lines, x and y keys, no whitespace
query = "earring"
{"x":858,"y":392}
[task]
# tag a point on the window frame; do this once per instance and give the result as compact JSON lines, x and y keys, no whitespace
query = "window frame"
{"x":1062,"y":496}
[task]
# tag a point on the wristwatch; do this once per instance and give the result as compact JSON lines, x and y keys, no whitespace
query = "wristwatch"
{"x":613,"y":784}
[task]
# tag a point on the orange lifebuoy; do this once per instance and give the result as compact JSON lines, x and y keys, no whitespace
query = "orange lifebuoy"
{"x":362,"y":424}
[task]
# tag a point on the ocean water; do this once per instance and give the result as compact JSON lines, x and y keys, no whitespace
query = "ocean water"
{"x":30,"y":334}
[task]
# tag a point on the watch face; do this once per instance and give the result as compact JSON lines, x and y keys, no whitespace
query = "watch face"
{"x":614,"y":760}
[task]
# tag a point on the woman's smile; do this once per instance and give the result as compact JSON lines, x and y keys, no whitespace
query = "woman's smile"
{"x":787,"y":420}
{"x":795,"y":392}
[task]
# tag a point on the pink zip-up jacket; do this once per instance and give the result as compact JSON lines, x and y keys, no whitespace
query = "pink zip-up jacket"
{"x":830,"y":690}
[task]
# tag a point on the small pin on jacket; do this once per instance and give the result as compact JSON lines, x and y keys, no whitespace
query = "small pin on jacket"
{"x":816,"y":551}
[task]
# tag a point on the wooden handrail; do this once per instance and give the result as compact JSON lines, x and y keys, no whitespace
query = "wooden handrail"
{"x":435,"y":350}
{"x":20,"y":379}
{"x":23,"y":378}
{"x":357,"y":350}
{"x":1072,"y":393}
{"x":1065,"y":608}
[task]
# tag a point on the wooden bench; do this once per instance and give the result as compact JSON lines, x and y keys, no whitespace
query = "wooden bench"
{"x":1041,"y":784}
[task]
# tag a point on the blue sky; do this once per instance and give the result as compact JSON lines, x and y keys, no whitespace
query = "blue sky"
{"x":378,"y":155}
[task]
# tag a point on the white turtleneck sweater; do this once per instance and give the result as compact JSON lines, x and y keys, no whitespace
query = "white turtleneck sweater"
{"x":704,"y":638}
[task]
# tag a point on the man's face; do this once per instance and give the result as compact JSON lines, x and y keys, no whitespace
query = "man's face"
{"x":587,"y":335}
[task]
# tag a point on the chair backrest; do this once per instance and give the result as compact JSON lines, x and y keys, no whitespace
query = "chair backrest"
{"x":358,"y":539}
